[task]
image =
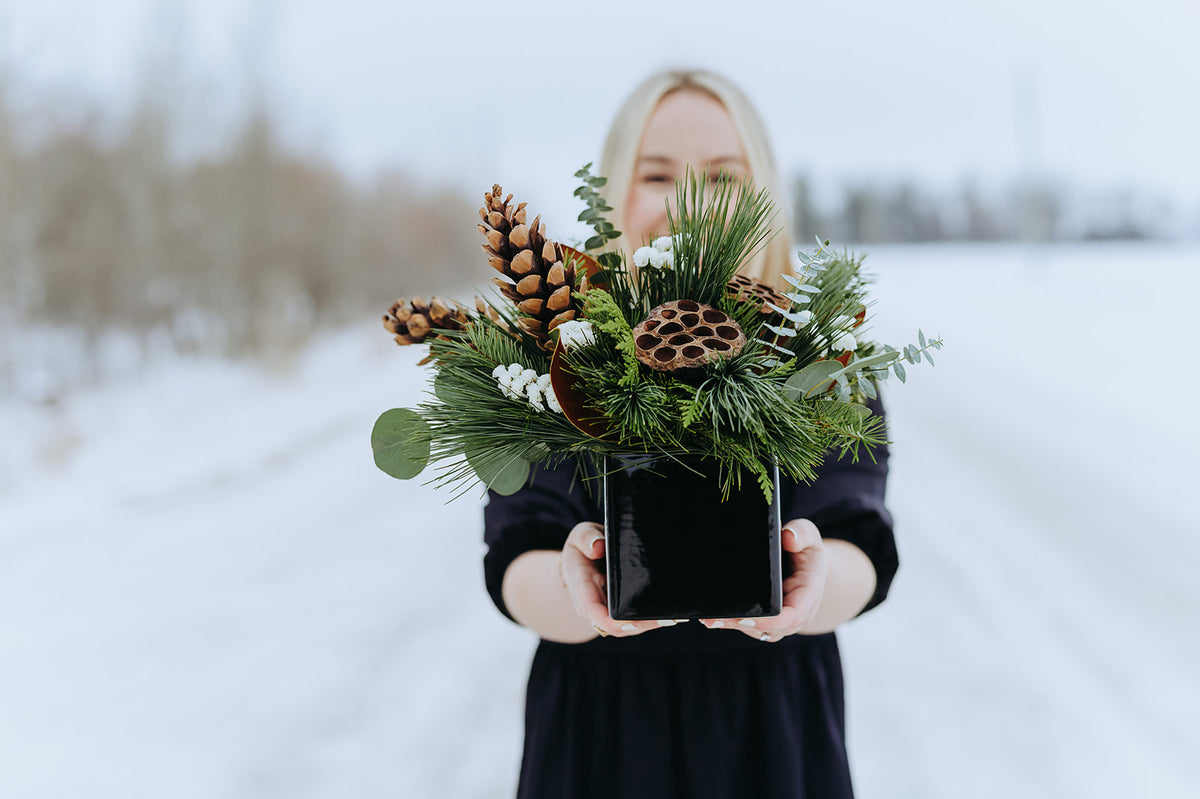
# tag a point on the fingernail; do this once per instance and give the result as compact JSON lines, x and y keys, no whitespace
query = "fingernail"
{"x":593,"y":542}
{"x":667,"y":622}
{"x":718,"y":623}
{"x":681,"y":621}
{"x":628,"y":627}
{"x":748,"y":623}
{"x":600,"y":630}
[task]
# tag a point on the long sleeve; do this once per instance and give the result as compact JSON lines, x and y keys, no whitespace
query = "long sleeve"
{"x":539,"y":516}
{"x":846,"y":502}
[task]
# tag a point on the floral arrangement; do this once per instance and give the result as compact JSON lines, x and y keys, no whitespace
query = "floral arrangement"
{"x":665,"y":351}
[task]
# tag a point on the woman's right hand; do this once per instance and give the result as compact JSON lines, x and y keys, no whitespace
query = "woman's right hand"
{"x":581,"y":565}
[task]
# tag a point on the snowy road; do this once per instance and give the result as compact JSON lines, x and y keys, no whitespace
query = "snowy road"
{"x":207,"y":590}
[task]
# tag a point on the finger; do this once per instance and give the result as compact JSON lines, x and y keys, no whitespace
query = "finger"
{"x":799,"y":535}
{"x":584,"y":581}
{"x":588,"y":538}
{"x":628,"y":628}
{"x":761,"y":628}
{"x":802,"y":595}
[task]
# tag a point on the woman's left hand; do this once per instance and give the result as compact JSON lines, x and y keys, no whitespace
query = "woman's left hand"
{"x":803,"y":586}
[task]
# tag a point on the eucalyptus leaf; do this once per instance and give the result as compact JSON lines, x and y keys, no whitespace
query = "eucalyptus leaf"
{"x":899,"y":369}
{"x":800,"y":318}
{"x":868,"y":388}
{"x":776,"y":347}
{"x":872,"y":360}
{"x":929,"y":358}
{"x":400,"y":442}
{"x":921,"y":338}
{"x":503,"y":475}
{"x":811,"y":380}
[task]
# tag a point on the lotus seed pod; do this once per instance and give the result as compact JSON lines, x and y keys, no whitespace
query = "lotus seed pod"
{"x":747,"y":289}
{"x":684,"y":334}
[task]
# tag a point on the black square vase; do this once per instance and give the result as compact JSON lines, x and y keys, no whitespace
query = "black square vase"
{"x":675,"y":550}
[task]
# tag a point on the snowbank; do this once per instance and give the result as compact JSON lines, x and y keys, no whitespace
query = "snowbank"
{"x":208,"y":590}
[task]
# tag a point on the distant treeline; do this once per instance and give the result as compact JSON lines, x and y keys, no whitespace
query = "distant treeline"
{"x":1033,"y":211}
{"x":237,"y":252}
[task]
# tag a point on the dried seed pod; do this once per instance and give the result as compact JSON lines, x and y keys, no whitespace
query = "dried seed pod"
{"x":684,"y":334}
{"x":747,"y":289}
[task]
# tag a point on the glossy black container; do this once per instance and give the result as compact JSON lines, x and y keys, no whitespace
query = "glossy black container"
{"x":676,"y":551}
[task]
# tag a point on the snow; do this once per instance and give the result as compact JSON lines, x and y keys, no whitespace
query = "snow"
{"x":208,"y":590}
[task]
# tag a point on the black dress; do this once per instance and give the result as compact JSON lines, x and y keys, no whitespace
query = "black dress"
{"x":686,"y":712}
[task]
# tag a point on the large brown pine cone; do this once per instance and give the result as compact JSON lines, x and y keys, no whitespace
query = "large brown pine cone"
{"x":538,"y":281}
{"x":684,"y":334}
{"x":413,"y":321}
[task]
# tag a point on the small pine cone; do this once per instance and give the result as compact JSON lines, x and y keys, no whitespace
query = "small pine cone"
{"x":685,"y":334}
{"x":747,"y":289}
{"x":536,"y":278}
{"x":413,"y":321}
{"x":483,"y":309}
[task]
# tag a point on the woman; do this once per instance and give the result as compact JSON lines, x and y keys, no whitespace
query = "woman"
{"x":719,"y":708}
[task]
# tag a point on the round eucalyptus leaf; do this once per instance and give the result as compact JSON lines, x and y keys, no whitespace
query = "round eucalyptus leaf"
{"x":504,"y":475}
{"x":811,"y":380}
{"x":400,"y":442}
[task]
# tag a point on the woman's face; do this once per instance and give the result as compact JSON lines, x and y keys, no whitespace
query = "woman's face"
{"x":687,"y":128}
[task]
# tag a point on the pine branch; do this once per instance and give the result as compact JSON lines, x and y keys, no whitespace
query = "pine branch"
{"x":713,"y":235}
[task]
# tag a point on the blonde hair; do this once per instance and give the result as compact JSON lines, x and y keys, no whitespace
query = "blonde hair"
{"x":619,"y":158}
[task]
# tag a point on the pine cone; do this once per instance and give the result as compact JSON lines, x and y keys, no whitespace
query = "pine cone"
{"x":746,"y":289}
{"x":491,"y":313}
{"x":413,"y":321}
{"x":684,"y":334}
{"x":538,"y":281}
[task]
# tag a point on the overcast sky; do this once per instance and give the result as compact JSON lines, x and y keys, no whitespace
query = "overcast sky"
{"x":1096,"y":92}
